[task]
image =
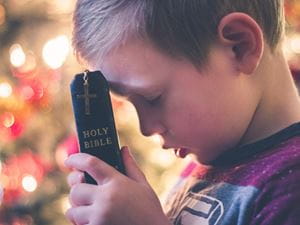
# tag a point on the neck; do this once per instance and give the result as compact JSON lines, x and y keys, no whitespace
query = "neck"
{"x":279,"y":105}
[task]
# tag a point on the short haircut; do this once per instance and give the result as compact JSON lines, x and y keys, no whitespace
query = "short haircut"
{"x":180,"y":28}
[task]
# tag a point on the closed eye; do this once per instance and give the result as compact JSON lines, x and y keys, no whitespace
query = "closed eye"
{"x":154,"y":101}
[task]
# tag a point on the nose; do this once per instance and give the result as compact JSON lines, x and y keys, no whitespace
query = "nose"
{"x":149,"y":121}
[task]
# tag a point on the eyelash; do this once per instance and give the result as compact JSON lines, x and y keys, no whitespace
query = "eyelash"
{"x":154,"y":100}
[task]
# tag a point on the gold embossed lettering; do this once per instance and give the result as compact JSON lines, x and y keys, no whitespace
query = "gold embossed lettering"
{"x":105,"y":129}
{"x":109,"y":141}
{"x":86,"y":134}
{"x":95,"y":132}
{"x":86,"y":145}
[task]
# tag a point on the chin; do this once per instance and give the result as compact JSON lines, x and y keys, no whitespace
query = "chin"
{"x":204,"y":159}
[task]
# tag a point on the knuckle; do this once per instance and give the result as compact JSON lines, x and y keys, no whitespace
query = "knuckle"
{"x":74,"y":189}
{"x":90,"y":162}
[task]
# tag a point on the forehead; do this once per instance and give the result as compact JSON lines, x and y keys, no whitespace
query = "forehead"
{"x":136,"y":64}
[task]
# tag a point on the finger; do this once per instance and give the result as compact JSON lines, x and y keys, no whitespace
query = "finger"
{"x":78,"y":215}
{"x":82,"y":194}
{"x":132,"y":169}
{"x":75,"y":177}
{"x":98,"y":169}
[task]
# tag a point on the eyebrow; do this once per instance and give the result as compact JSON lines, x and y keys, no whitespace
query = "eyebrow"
{"x":118,"y":89}
{"x":124,"y":92}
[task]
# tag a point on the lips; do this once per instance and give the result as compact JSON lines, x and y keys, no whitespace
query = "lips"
{"x":181,"y":152}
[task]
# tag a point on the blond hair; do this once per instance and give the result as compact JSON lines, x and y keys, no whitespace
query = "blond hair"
{"x":180,"y":28}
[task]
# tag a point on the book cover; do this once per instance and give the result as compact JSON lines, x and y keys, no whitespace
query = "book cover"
{"x":94,"y":119}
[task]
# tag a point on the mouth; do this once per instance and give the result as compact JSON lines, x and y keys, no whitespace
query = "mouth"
{"x":179,"y":152}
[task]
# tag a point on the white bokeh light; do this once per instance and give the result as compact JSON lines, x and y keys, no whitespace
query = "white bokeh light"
{"x":29,"y":183}
{"x":55,"y":51}
{"x":17,"y":55}
{"x":5,"y":90}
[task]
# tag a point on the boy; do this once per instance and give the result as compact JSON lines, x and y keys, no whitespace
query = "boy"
{"x":210,"y":77}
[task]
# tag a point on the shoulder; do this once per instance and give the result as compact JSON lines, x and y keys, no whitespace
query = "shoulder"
{"x":257,"y":169}
{"x":279,"y":195}
{"x":281,"y":160}
{"x":278,"y":200}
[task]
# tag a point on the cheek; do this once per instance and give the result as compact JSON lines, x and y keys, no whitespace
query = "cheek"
{"x":186,"y":120}
{"x":197,"y":121}
{"x":197,"y":127}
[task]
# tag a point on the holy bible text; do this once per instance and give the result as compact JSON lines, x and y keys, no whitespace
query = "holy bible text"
{"x":96,"y":138}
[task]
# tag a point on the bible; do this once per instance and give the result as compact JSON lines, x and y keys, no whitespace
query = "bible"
{"x":94,"y":119}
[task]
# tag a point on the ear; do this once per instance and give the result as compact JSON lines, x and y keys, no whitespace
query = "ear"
{"x":245,"y":38}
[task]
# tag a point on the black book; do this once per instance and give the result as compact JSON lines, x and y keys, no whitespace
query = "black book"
{"x":94,"y":119}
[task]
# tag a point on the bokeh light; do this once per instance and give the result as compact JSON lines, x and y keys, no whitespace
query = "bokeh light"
{"x":29,"y":183}
{"x":55,"y":51}
{"x":7,"y":119}
{"x":5,"y":90}
{"x":17,"y":55}
{"x":27,"y":92}
{"x":59,"y":6}
{"x":30,"y":63}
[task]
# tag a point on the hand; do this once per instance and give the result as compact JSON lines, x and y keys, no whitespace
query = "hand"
{"x":117,"y":199}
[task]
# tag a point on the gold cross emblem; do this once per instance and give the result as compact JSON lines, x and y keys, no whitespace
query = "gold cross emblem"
{"x":86,"y":96}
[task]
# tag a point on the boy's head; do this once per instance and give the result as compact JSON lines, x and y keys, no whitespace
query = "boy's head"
{"x":182,"y":29}
{"x":188,"y":67}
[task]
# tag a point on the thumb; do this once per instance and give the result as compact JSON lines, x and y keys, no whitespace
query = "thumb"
{"x":132,"y":169}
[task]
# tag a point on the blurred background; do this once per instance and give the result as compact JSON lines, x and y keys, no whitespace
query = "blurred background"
{"x":37,"y":130}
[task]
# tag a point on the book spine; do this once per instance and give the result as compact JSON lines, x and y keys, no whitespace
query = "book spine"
{"x":94,"y":119}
